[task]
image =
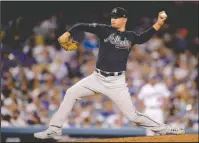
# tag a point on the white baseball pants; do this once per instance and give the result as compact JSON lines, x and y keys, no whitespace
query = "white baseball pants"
{"x":115,"y":88}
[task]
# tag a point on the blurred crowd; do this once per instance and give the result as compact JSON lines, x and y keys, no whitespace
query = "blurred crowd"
{"x":36,"y":72}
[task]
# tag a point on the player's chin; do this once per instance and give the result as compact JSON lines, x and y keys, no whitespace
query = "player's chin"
{"x":114,"y":26}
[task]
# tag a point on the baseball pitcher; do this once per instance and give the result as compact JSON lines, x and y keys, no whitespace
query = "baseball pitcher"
{"x":109,"y":76}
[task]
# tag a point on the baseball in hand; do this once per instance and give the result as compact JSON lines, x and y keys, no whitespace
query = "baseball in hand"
{"x":163,"y":14}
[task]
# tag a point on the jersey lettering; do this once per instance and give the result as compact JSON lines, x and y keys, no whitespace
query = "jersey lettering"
{"x":116,"y":40}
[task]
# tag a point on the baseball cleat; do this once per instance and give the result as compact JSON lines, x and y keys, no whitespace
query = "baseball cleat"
{"x":172,"y":131}
{"x":47,"y":134}
{"x":175,"y":131}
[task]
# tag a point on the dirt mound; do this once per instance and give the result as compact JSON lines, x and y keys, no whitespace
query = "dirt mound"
{"x":168,"y":138}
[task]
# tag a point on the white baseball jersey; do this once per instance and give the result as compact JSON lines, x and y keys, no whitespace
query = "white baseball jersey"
{"x":152,"y":94}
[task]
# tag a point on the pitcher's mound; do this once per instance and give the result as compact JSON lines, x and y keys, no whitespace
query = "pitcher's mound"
{"x":168,"y":138}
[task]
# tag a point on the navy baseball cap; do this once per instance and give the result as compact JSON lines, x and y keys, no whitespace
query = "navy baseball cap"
{"x":119,"y":12}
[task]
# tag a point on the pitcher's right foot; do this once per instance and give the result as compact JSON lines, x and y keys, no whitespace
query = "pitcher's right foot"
{"x":175,"y":131}
{"x":49,"y":133}
{"x":169,"y":130}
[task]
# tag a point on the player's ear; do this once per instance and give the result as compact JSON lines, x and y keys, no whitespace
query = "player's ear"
{"x":124,"y":20}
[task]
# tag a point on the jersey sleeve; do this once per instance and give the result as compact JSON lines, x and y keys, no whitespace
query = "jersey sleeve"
{"x":142,"y":93}
{"x":165,"y":92}
{"x":143,"y":37}
{"x":94,"y":28}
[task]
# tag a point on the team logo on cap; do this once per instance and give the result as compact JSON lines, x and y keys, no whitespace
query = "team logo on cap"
{"x":115,"y":10}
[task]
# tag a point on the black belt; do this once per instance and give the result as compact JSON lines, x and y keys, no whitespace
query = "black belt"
{"x":106,"y":74}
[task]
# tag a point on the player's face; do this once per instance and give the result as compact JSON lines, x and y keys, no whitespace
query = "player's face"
{"x":153,"y":80}
{"x":118,"y":22}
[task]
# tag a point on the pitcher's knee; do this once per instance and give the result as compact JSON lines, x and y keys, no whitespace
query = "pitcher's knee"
{"x":70,"y":94}
{"x":70,"y":91}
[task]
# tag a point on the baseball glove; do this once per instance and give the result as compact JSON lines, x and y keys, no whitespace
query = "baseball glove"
{"x":67,"y":43}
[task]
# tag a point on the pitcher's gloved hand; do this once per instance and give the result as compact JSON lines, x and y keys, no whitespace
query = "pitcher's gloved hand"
{"x":67,"y":43}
